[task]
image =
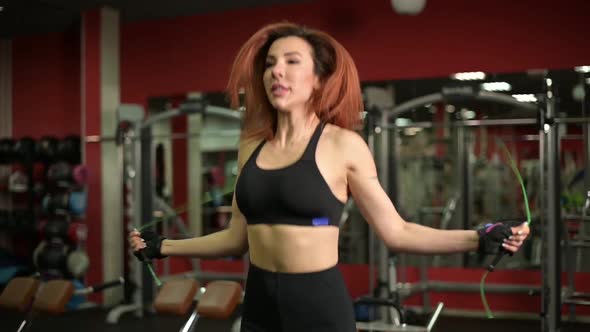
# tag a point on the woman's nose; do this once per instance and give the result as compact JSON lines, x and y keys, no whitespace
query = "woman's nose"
{"x":277,"y":70}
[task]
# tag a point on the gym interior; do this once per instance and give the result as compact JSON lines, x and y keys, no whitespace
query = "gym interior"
{"x":113,"y":116}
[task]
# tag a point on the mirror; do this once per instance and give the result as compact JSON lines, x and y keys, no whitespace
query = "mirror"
{"x":438,"y":150}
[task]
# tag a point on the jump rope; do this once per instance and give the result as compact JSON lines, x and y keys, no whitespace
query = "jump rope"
{"x":503,"y":252}
{"x":145,"y":259}
{"x":490,"y":268}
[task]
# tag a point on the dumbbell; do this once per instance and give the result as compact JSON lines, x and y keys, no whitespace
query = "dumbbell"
{"x":46,"y":149}
{"x":57,"y":259}
{"x":6,"y":151}
{"x":74,"y":202}
{"x":63,"y":174}
{"x":77,"y":263}
{"x":51,"y":257}
{"x":69,"y":149}
{"x":24,"y":150}
{"x":63,"y":229}
{"x":18,"y":182}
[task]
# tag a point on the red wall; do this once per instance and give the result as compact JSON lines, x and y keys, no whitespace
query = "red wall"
{"x":46,"y":85}
{"x":194,"y":53}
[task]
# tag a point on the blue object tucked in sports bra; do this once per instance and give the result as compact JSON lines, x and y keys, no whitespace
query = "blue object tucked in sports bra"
{"x":293,"y":195}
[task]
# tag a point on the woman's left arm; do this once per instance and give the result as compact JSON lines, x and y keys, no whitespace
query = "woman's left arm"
{"x":398,"y":234}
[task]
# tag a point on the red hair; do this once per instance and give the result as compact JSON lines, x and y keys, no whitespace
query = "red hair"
{"x":337,"y":101}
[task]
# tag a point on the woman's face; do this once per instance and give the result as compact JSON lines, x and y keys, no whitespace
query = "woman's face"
{"x":289,"y":77}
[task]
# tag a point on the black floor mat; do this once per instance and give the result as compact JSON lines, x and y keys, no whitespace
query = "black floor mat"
{"x":94,"y":320}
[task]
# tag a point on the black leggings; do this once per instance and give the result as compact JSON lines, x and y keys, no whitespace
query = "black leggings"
{"x":289,"y":302}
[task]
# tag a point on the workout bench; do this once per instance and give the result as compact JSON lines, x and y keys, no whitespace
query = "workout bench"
{"x":51,"y":296}
{"x":26,"y":293}
{"x":19,"y":293}
{"x":29,"y":295}
{"x":217,"y":302}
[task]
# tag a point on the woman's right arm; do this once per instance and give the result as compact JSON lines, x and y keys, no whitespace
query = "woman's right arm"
{"x":232,"y":241}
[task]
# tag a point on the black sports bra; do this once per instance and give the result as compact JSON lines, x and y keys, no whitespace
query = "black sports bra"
{"x":294,"y":195}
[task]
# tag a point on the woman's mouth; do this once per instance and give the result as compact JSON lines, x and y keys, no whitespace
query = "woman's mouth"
{"x":278,"y":90}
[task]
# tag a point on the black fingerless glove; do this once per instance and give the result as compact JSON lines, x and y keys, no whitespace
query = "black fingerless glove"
{"x":153,"y":247}
{"x":491,"y":237}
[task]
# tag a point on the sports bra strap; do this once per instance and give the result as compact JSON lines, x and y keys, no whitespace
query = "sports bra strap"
{"x":309,"y":153}
{"x":255,"y":153}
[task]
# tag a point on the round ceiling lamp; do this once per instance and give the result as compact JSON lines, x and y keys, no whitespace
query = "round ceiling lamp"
{"x":408,"y":7}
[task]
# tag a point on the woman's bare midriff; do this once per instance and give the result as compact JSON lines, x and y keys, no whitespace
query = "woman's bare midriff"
{"x":293,"y":249}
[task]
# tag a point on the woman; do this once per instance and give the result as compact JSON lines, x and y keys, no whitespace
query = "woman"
{"x":299,"y":160}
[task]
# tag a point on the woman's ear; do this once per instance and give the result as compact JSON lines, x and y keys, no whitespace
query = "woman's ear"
{"x":317,"y":84}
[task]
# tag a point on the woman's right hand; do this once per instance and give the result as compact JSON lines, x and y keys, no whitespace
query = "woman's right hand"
{"x":146,"y":245}
{"x":136,"y":242}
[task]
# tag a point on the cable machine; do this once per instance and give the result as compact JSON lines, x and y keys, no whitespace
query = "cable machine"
{"x":544,"y":116}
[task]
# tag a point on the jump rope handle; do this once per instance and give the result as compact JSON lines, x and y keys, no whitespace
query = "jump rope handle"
{"x":497,"y":260}
{"x":151,"y":269}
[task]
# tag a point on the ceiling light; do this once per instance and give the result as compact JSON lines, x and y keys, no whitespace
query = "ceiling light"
{"x":525,"y":98}
{"x":582,"y":69}
{"x":496,"y":86}
{"x":408,"y":7}
{"x":469,"y":76}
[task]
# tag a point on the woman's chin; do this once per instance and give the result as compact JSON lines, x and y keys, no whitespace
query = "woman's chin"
{"x":281,"y":109}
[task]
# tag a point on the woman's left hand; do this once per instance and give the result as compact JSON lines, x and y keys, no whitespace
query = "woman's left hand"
{"x":519,"y":235}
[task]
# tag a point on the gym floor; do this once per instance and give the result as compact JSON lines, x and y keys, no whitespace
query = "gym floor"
{"x":94,"y":320}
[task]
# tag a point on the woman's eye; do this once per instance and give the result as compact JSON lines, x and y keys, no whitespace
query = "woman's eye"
{"x":293,"y":61}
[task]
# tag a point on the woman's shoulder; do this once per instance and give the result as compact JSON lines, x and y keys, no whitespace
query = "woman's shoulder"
{"x":349,"y":147}
{"x":342,"y":138}
{"x":246,"y":147}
